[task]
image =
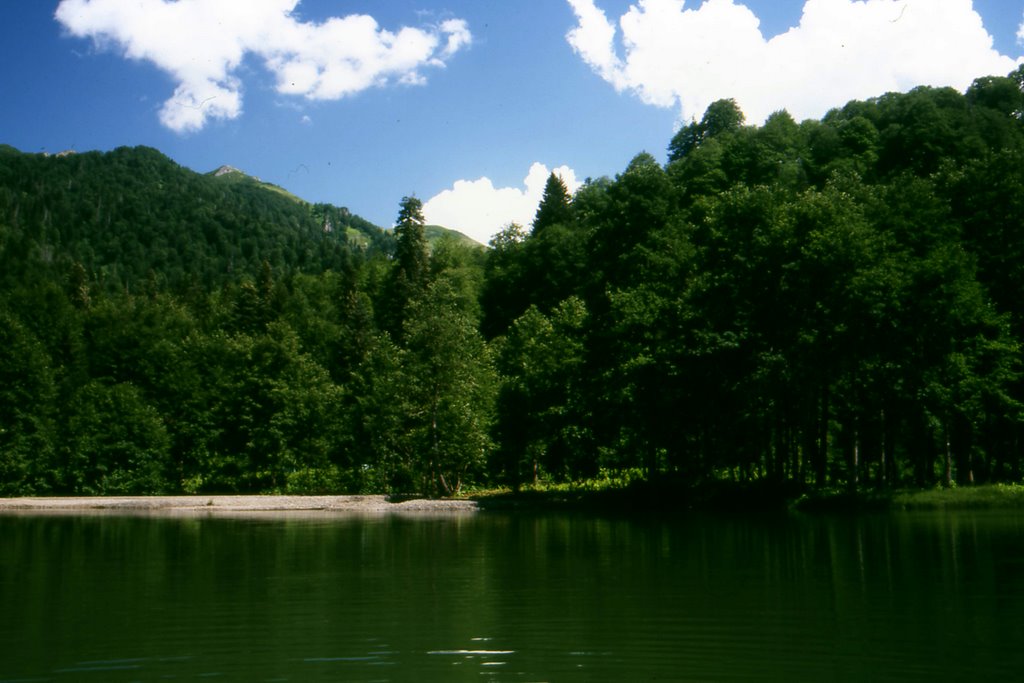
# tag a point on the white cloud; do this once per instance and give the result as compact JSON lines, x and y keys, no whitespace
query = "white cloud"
{"x":594,"y":40}
{"x":458,"y":34}
{"x":1020,"y":34}
{"x":201,"y":44}
{"x":478,"y":209}
{"x":675,"y":56}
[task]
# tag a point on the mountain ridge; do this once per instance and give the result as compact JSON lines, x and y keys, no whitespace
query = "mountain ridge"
{"x":133,"y":212}
{"x":434,"y":232}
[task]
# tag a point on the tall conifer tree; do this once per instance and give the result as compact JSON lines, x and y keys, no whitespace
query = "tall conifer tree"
{"x":410,"y":272}
{"x":554,"y":207}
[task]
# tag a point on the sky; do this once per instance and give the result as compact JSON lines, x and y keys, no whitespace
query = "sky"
{"x":468,"y":105}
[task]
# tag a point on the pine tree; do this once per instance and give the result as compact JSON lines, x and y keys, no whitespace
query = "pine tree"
{"x":555,"y":207}
{"x":411,"y":242}
{"x":410,"y":271}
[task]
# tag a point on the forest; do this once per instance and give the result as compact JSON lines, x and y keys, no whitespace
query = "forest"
{"x":827,"y":303}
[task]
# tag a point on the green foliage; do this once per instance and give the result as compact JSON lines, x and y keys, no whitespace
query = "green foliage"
{"x":450,"y":384}
{"x":27,"y":404}
{"x":541,"y":359}
{"x":438,"y":233}
{"x":503,"y":295}
{"x":994,"y":496}
{"x":720,"y":118}
{"x":554,"y":208}
{"x":460,"y":266}
{"x":272,"y":409}
{"x":411,"y":271}
{"x":132,"y":212}
{"x":247,"y":357}
{"x":411,"y":242}
{"x":116,"y":443}
{"x":792,"y":302}
{"x":832,"y":303}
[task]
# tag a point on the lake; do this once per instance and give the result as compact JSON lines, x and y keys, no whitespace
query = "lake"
{"x":499,"y":597}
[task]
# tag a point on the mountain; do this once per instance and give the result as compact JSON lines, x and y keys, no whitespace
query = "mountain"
{"x":230,"y":174}
{"x":434,"y":233}
{"x":132,"y":214}
{"x":329,"y":221}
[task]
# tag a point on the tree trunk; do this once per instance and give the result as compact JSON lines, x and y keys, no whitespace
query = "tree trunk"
{"x":821,"y":447}
{"x":883,"y":460}
{"x":949,"y":457}
{"x":855,"y":461}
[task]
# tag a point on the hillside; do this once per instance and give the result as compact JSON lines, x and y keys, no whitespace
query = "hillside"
{"x":438,"y":232}
{"x":133,"y":213}
{"x":230,"y":174}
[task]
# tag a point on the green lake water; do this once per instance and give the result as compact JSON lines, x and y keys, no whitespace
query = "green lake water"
{"x":494,"y":597}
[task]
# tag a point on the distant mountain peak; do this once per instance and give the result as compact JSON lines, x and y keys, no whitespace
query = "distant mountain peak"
{"x":230,"y":174}
{"x":226,"y":169}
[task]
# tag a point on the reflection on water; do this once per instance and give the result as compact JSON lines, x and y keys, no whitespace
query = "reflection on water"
{"x":504,"y":598}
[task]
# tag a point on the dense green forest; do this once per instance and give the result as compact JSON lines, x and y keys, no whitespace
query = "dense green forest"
{"x":829,"y":303}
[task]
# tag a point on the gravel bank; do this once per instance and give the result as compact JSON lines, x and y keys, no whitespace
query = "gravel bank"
{"x":235,"y":505}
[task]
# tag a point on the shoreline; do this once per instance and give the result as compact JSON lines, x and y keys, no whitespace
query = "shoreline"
{"x":234,"y":505}
{"x":736,"y":498}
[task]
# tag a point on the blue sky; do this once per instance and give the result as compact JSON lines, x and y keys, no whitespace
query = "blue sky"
{"x":467,"y":104}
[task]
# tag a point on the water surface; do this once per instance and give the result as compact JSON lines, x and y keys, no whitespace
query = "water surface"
{"x":907,"y":596}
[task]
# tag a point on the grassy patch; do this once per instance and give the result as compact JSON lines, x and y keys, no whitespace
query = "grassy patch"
{"x":994,"y":496}
{"x":633,"y":494}
{"x":984,"y":497}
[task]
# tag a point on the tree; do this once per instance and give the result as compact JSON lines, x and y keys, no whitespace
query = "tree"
{"x":555,"y":251}
{"x":555,"y":205}
{"x":78,"y":287}
{"x":639,"y":204}
{"x":27,"y":396}
{"x":538,"y":425}
{"x":411,"y":256}
{"x":1004,"y":95}
{"x":116,"y":443}
{"x":461,"y":266}
{"x":721,"y":117}
{"x":777,"y":154}
{"x":450,"y":388}
{"x":410,"y":270}
{"x":379,"y":408}
{"x":504,"y":294}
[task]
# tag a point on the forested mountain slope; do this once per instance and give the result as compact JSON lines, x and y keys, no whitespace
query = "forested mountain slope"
{"x":164,"y":330}
{"x":133,"y":214}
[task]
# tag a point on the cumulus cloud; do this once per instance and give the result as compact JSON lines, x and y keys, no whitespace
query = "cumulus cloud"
{"x":674,"y":55}
{"x":479,"y":209}
{"x":202,"y":43}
